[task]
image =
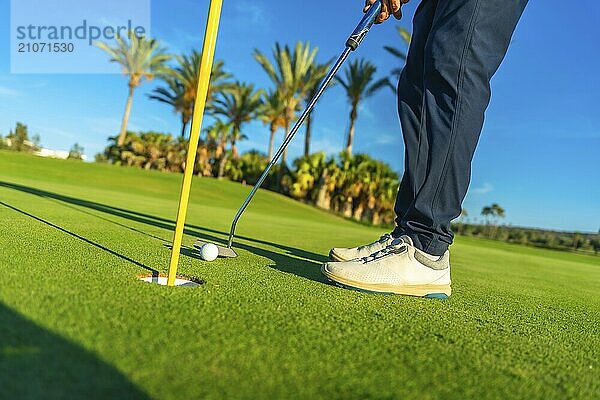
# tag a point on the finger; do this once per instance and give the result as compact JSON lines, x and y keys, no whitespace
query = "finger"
{"x":368,"y":4}
{"x":395,"y":8}
{"x":383,"y":15}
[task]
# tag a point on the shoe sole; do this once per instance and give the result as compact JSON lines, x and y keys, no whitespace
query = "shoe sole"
{"x":442,"y":292}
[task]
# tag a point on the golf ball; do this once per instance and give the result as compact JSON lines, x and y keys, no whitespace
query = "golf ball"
{"x":209,"y":252}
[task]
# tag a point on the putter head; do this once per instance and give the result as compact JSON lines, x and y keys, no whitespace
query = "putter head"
{"x":224,"y":251}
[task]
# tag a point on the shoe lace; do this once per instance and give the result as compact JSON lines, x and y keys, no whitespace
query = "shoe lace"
{"x":394,"y":248}
{"x":382,"y":239}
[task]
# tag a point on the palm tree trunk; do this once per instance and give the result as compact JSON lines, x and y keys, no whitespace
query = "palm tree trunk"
{"x":376,"y":218}
{"x":283,"y":157}
{"x":184,"y":124}
{"x":272,"y":141}
{"x":359,"y":211}
{"x":353,"y":115}
{"x":234,"y":150}
{"x":234,"y":137}
{"x":123,"y":132}
{"x":307,"y":135}
{"x":218,"y":151}
{"x":347,"y":208}
{"x":222,"y":164}
{"x":219,"y":155}
{"x":323,"y":198}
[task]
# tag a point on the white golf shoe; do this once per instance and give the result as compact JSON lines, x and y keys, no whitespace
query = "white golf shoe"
{"x":347,"y":254}
{"x":399,"y":268}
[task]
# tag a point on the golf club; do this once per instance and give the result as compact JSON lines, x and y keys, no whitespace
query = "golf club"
{"x":352,"y":44}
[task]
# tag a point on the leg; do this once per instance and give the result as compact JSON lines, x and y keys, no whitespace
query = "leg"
{"x":466,"y":45}
{"x":410,"y":106}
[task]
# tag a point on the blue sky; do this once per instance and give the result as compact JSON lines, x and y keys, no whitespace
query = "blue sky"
{"x":538,"y":156}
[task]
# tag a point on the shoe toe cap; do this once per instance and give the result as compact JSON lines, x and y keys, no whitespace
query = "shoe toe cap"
{"x":345,"y":270}
{"x":342,"y":254}
{"x":333,"y":269}
{"x":328,"y":268}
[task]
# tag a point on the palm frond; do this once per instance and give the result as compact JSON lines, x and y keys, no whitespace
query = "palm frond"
{"x":140,"y":58}
{"x":404,"y":34}
{"x":395,"y":52}
{"x":378,"y":85}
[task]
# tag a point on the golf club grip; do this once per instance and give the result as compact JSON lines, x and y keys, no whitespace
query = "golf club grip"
{"x":364,"y":26}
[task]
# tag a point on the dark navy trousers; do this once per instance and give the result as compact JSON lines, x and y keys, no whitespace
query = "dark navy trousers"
{"x":444,"y":90}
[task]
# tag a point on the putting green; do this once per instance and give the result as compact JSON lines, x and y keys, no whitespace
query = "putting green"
{"x":75,"y":321}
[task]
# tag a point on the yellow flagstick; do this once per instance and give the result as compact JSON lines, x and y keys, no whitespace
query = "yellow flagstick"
{"x":208,"y":52}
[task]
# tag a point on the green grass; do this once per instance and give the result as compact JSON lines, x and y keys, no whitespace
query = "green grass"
{"x":75,"y":322}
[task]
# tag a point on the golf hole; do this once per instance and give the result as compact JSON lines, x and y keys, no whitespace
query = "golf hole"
{"x":162,"y":280}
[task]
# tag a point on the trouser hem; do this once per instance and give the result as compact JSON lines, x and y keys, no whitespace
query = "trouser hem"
{"x":423,"y":242}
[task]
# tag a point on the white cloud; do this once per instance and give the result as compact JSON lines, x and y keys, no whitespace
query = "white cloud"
{"x":327,"y":145}
{"x":251,"y":12}
{"x":365,"y":111}
{"x":184,"y":39}
{"x":484,"y":189}
{"x":387,"y":139}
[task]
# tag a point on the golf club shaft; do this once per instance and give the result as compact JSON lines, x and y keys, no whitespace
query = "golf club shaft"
{"x":353,"y":42}
{"x":287,"y":140}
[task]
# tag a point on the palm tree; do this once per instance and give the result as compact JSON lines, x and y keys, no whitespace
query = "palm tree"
{"x":176,"y":155}
{"x":289,"y":73}
{"x":487,"y":212}
{"x":492,"y":213}
{"x":188,"y":72}
{"x":241,"y":104}
{"x":462,"y":220}
{"x":155,"y":146}
{"x":399,"y":53}
{"x":141,"y":59}
{"x":385,"y":198}
{"x":359,"y":85}
{"x":498,"y":211}
{"x":217,"y":136}
{"x":306,"y":178}
{"x":272,"y":114}
{"x":182,"y":84}
{"x":315,"y":79}
{"x":174,"y":95}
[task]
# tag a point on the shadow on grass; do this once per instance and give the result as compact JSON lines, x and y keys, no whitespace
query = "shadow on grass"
{"x":88,"y":241}
{"x":291,"y":260}
{"x":38,"y":364}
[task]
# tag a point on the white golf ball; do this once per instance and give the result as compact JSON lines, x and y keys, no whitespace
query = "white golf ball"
{"x":209,"y":252}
